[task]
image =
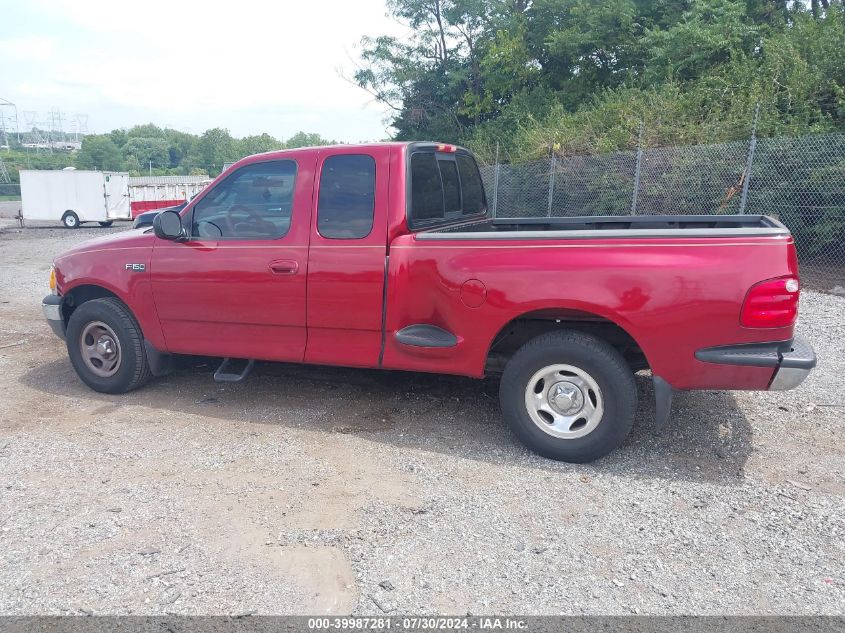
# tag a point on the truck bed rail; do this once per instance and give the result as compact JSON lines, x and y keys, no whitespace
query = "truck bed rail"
{"x":602,"y":227}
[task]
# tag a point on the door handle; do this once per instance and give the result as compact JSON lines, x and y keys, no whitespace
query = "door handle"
{"x":284,"y":267}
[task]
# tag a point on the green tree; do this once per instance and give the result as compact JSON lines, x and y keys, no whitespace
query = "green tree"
{"x":147,"y":130}
{"x":146,"y":150}
{"x":711,"y":33}
{"x":306,"y":139}
{"x":99,"y":152}
{"x":179,"y":146}
{"x":583,"y":74}
{"x":118,"y":137}
{"x":584,"y":46}
{"x":258,"y":143}
{"x":214,"y":148}
{"x":434,"y":81}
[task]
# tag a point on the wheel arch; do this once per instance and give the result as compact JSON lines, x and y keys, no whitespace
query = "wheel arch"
{"x":538,"y":320}
{"x":82,"y":293}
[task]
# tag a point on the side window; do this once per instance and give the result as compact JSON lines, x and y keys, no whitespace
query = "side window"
{"x":444,"y":186}
{"x":346,"y":201}
{"x":426,"y":188}
{"x":255,"y":202}
{"x":471,"y":186}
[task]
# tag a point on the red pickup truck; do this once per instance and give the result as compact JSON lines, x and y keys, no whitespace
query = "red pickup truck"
{"x":384,"y":256}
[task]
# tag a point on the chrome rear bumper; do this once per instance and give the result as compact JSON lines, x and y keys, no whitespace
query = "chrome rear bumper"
{"x":792,"y":360}
{"x":788,"y":378}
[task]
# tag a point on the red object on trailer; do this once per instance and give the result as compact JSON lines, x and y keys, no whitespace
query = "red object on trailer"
{"x":140,"y":206}
{"x":147,"y":193}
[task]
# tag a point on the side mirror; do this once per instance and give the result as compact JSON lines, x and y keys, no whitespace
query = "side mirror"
{"x":167,"y":225}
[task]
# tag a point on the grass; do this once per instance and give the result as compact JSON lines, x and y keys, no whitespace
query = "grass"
{"x":10,"y":198}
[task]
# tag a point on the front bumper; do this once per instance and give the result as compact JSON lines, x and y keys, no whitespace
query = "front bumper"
{"x":792,"y":360}
{"x":51,"y":305}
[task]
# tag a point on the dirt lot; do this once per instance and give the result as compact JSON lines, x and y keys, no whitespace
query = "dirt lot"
{"x":330,"y":490}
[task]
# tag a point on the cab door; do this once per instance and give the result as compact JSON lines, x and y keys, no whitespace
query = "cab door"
{"x":346,"y":261}
{"x":236,"y":286}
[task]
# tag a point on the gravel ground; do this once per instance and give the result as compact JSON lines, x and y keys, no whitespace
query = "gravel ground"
{"x":325,"y":490}
{"x":9,"y":208}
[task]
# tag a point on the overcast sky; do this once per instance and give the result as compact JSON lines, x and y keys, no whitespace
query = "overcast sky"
{"x":247,"y":65}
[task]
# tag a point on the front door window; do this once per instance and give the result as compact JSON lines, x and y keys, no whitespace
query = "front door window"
{"x":254,"y":203}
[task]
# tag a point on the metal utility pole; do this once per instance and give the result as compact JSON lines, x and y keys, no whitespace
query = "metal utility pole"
{"x":552,"y":169}
{"x":637,"y":171}
{"x":751,"y":149}
{"x":496,"y":182}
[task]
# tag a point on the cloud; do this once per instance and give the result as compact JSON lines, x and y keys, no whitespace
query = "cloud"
{"x":172,"y":59}
{"x":27,"y":48}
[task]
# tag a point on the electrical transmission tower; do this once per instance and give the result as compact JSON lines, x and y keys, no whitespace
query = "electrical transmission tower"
{"x":48,"y":132}
{"x":4,"y":173}
{"x":9,"y":122}
{"x":36,"y":132}
{"x":57,"y":126}
{"x":79,"y":124}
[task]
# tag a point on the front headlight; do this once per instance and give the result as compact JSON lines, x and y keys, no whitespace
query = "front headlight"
{"x":53,"y":280}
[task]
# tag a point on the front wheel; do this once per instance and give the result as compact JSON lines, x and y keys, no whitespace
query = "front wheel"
{"x":569,"y":396}
{"x":106,"y":347}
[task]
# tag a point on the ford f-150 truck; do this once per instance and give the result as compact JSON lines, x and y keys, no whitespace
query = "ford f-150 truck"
{"x":385,"y":256}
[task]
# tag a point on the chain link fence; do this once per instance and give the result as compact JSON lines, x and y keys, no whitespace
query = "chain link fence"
{"x":800,"y":181}
{"x":9,"y":191}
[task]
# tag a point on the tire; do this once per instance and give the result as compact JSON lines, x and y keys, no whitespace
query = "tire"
{"x":70,"y":220}
{"x":111,"y":323}
{"x":106,"y":225}
{"x":543,"y":384}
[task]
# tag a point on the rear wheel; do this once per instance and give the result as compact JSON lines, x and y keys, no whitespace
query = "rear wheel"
{"x":106,"y":224}
{"x":70,"y":220}
{"x":106,"y":346}
{"x":569,"y":396}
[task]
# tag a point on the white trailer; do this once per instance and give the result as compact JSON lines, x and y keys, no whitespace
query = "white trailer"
{"x":73,"y":196}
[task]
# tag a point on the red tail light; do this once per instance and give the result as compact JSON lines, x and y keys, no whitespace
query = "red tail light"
{"x":771,"y":303}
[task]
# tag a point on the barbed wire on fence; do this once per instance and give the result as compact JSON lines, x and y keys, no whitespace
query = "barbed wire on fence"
{"x":800,"y":181}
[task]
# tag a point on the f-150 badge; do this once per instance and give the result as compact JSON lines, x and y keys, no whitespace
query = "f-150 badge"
{"x":137,"y":268}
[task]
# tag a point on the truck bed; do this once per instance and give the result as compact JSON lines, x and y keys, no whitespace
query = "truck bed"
{"x":674,"y":284}
{"x":602,"y":227}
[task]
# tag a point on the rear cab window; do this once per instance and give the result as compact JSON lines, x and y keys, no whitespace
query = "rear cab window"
{"x":445,"y":186}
